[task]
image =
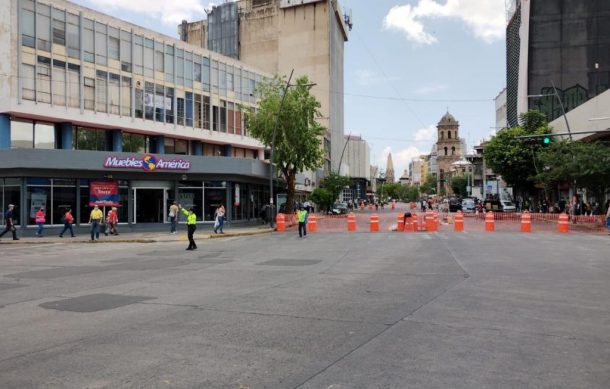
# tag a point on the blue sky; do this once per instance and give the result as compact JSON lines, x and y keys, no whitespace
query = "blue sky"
{"x":406,"y":63}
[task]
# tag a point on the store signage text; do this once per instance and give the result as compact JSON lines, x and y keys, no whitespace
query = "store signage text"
{"x":148,"y":163}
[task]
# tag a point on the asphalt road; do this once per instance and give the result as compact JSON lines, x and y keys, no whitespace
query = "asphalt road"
{"x":334,"y":310}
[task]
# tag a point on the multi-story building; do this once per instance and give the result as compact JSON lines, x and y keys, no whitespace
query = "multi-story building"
{"x":97,"y":110}
{"x":500,"y":102}
{"x":556,"y":50}
{"x":356,"y":164}
{"x":279,"y":36}
{"x":449,"y":148}
{"x":415,"y":171}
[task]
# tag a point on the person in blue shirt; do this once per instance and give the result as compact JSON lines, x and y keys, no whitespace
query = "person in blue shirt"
{"x":10,"y":222}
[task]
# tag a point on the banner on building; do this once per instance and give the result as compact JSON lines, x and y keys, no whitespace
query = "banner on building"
{"x":236,"y":202}
{"x":104,"y":193}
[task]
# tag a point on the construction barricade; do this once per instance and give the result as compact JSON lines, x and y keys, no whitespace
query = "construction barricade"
{"x":400,"y":222}
{"x":280,"y":222}
{"x":408,"y":220}
{"x":374,"y":223}
{"x":312,"y":223}
{"x":526,"y":222}
{"x":459,"y":221}
{"x":351,"y":222}
{"x":490,"y":223}
{"x":563,"y":225}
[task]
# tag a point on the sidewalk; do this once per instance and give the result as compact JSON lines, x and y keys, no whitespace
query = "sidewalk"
{"x":51,"y":235}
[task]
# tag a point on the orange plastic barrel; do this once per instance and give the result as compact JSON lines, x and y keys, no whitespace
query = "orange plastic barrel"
{"x":563,"y":225}
{"x":280,"y":222}
{"x":400,"y":222}
{"x":351,"y":222}
{"x":526,"y":222}
{"x":374,"y":223}
{"x":312,"y":223}
{"x":490,"y":225}
{"x":459,"y":221}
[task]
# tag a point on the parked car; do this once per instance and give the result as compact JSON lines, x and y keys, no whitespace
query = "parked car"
{"x":508,"y":206}
{"x":455,"y":204}
{"x":339,"y":209}
{"x":468,"y":206}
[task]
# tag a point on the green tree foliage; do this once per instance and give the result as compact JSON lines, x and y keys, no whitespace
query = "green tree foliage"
{"x":585,"y":164}
{"x":410,"y":193}
{"x":389,"y":191}
{"x":429,"y":186}
{"x":459,"y":185}
{"x":335,"y":183}
{"x":508,"y":156}
{"x":297,"y":139}
{"x":323,"y":198}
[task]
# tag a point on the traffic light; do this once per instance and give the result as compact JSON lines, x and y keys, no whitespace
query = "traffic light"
{"x":546,"y":140}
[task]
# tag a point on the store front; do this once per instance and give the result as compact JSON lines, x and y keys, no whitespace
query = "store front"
{"x":142,"y":196}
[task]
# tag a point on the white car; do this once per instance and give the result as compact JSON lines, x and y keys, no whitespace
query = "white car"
{"x":508,"y":206}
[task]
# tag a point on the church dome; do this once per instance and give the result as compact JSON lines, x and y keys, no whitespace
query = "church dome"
{"x":448,"y":119}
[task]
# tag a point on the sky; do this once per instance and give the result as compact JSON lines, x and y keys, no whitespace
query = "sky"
{"x":407,"y":62}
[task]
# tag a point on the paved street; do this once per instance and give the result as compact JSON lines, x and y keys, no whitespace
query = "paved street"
{"x":333,"y":310}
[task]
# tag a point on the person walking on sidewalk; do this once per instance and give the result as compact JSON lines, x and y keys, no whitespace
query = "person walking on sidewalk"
{"x":302,"y":217}
{"x":173,"y":217}
{"x":191,"y":220}
{"x":10,"y":222}
{"x":40,"y":220}
{"x":95,"y":218}
{"x":113,"y":220}
{"x":219,"y":223}
{"x":68,"y":221}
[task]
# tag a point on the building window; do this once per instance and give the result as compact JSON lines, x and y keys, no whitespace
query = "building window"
{"x":91,"y":139}
{"x":159,"y":56}
{"x":44,"y":80}
{"x":89,"y":97}
{"x":442,"y":135}
{"x":125,"y":51}
{"x":214,"y":77}
{"x":223,"y":116}
{"x":238,"y":122}
{"x":452,"y":150}
{"x":197,"y":68}
{"x":88,"y":41}
{"x":113,"y":92}
{"x":148,"y":57}
{"x":59,"y":27}
{"x":169,"y":105}
{"x":448,"y":134}
{"x":44,"y":136}
{"x":135,"y":143}
{"x":205,"y":74}
{"x":59,"y":82}
{"x":149,"y":100}
{"x":73,"y":35}
{"x":43,"y":27}
{"x":206,"y":113}
{"x":188,"y":69}
{"x":446,"y":151}
{"x":139,"y":96}
{"x":138,"y":53}
{"x":101,"y":91}
{"x":28,"y":84}
{"x":73,"y":77}
{"x":197,"y":110}
{"x":114,"y":47}
{"x":22,"y":135}
{"x":100,"y":44}
{"x":179,"y":71}
{"x":169,"y":63}
{"x":159,"y":103}
{"x":27,"y":28}
{"x":180,"y":110}
{"x":126,"y":96}
{"x":189,"y":109}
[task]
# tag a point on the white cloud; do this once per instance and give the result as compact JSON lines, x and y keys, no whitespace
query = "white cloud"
{"x":169,"y":12}
{"x":485,"y":18}
{"x":426,"y":134}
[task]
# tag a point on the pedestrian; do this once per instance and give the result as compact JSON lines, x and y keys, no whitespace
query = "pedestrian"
{"x":95,"y":218}
{"x":9,"y":219}
{"x":191,"y":220}
{"x":40,"y":220}
{"x":302,"y":217}
{"x":113,"y":221}
{"x":219,"y":218}
{"x":107,"y":222}
{"x":68,"y":221}
{"x":173,"y":217}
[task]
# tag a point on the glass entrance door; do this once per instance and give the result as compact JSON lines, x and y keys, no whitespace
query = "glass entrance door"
{"x":150,"y":205}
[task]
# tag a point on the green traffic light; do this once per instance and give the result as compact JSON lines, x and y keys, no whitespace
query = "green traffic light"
{"x":546,"y":140}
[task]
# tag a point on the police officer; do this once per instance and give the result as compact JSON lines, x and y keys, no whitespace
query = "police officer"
{"x":191,"y":220}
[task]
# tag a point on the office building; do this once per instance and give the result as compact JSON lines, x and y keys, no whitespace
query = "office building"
{"x":97,"y":110}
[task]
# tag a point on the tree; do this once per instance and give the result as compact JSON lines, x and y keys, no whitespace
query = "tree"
{"x":323,"y":198}
{"x":507,"y":155}
{"x":334,"y":183}
{"x":429,"y":186}
{"x":297,"y":137}
{"x":459,"y":185}
{"x":585,"y":164}
{"x":410,"y":193}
